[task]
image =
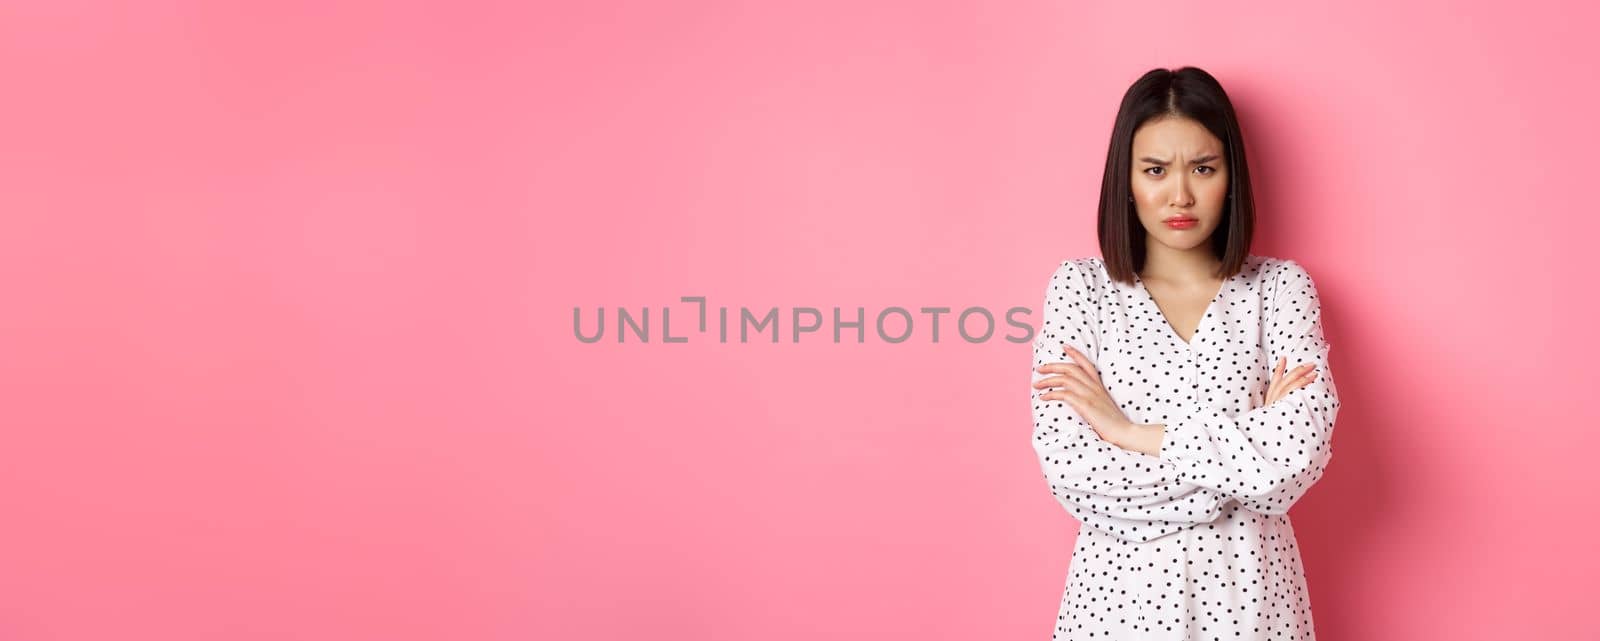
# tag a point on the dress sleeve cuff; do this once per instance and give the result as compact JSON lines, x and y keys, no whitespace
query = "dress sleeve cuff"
{"x":1185,"y":442}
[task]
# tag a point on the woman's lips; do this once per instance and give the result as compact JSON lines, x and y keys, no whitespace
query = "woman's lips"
{"x":1181,"y":223}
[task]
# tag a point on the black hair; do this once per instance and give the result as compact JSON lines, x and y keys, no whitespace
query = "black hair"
{"x":1187,"y":92}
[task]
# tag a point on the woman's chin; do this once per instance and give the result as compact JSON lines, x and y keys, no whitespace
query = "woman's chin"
{"x":1181,"y":239}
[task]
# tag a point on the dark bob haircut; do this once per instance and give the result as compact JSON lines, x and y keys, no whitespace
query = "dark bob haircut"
{"x":1190,"y":93}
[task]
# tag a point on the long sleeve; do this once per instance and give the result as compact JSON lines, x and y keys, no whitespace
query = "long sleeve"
{"x":1130,"y":495}
{"x":1268,"y":457}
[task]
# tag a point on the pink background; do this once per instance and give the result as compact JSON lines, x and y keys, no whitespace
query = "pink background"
{"x":288,"y":289}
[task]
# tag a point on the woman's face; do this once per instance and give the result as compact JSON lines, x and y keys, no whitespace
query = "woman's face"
{"x":1178,"y":171}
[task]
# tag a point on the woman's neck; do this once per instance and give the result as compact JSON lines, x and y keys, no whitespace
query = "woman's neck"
{"x":1169,"y":265}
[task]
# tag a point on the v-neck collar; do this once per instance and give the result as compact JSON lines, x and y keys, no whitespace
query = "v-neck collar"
{"x":1204,"y":315}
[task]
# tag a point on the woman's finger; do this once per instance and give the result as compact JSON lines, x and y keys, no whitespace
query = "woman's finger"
{"x":1051,"y":381}
{"x":1277,"y":380}
{"x":1284,"y":382}
{"x":1296,"y":373}
{"x":1058,"y":367}
{"x":1073,"y":370}
{"x":1061,"y":394}
{"x":1303,"y":379}
{"x":1078,"y":357}
{"x":1082,"y":375}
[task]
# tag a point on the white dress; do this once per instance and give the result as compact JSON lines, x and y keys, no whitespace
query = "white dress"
{"x":1194,"y":543}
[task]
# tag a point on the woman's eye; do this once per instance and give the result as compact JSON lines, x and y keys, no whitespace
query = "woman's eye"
{"x":1208,"y":169}
{"x":1155,"y":169}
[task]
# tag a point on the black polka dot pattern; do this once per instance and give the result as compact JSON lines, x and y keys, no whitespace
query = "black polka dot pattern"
{"x":1195,"y":543}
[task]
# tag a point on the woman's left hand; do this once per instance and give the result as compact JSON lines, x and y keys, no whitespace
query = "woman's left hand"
{"x":1079,"y":384}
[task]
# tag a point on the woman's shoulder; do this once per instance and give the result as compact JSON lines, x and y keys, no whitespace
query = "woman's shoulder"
{"x":1257,"y":267}
{"x":1277,"y":269}
{"x":1271,"y":269}
{"x":1090,"y":269}
{"x":1284,"y":279}
{"x":1088,"y":265}
{"x":1081,"y":276}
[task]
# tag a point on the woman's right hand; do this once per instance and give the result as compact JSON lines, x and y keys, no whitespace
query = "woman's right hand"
{"x":1282,"y":384}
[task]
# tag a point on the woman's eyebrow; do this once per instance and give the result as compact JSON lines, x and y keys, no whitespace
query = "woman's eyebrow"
{"x":1196,"y":161}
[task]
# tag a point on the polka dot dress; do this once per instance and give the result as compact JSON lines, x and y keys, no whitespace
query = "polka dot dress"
{"x":1194,"y":543}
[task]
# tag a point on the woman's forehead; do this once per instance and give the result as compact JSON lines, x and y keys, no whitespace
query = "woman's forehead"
{"x":1177,"y":135}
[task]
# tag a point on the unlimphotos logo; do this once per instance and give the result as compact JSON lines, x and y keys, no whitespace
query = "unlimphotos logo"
{"x":890,"y":325}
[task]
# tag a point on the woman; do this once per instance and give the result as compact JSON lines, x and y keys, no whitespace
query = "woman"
{"x":1158,"y":421}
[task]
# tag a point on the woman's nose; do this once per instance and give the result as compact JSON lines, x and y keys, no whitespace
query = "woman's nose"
{"x":1182,"y":195}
